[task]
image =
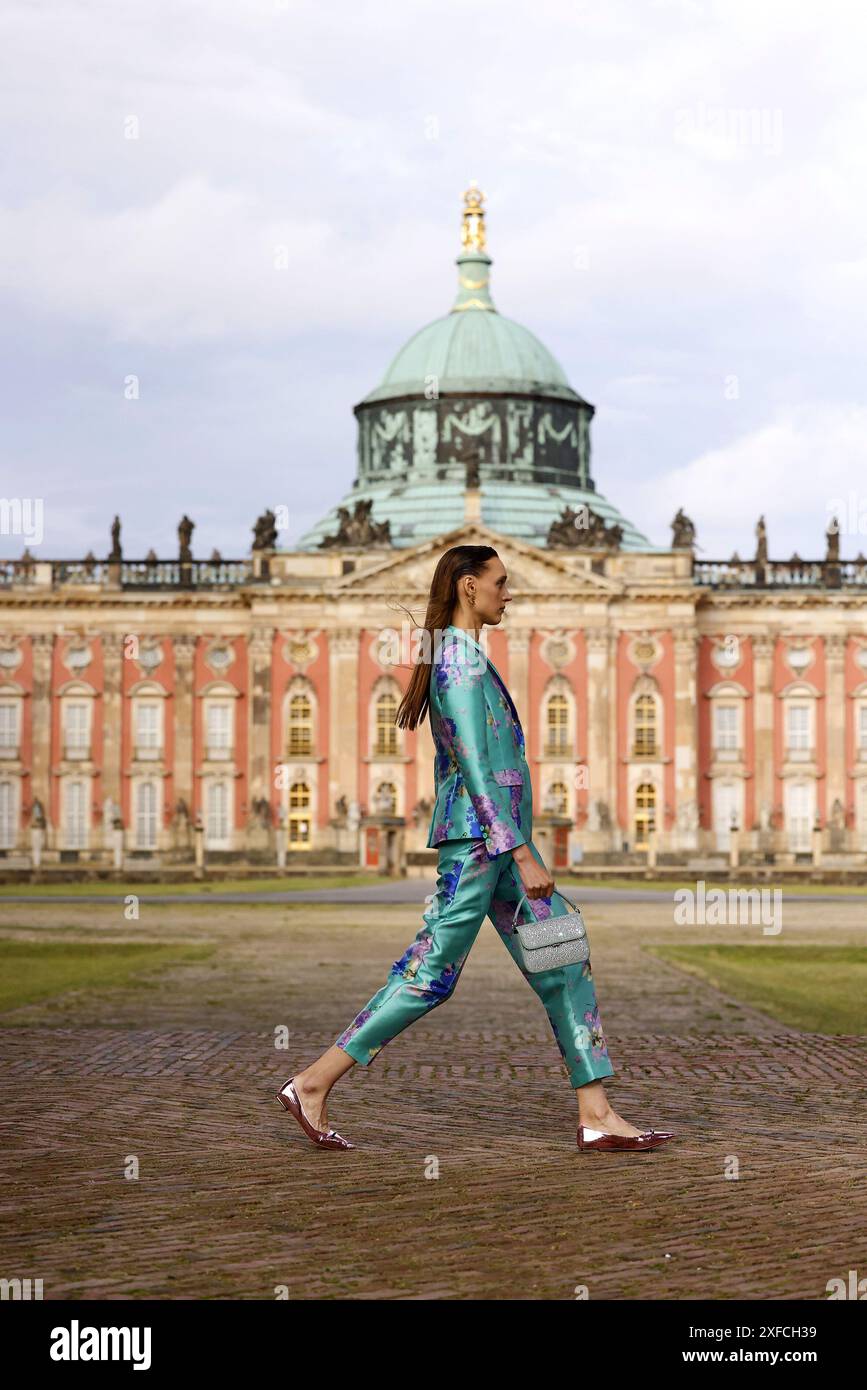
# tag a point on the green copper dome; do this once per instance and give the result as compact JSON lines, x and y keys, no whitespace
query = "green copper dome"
{"x":472,"y":413}
{"x":474,"y":349}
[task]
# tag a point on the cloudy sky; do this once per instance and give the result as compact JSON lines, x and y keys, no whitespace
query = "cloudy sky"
{"x":219,"y":221}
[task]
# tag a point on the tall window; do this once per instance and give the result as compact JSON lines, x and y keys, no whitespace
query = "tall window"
{"x":148,"y":735}
{"x":218,"y":730}
{"x":8,"y":814}
{"x":645,"y":727}
{"x":9,"y":728}
{"x":862,"y":730}
{"x":74,"y":807}
{"x":146,"y":816}
{"x":299,"y":816}
{"x":799,"y":815}
{"x":76,"y":729}
{"x":300,"y":725}
{"x":645,"y":813}
{"x":725,"y":728}
{"x":557,"y":725}
{"x":726,"y":809}
{"x":798,"y":728}
{"x":386,"y":729}
{"x":217,"y":829}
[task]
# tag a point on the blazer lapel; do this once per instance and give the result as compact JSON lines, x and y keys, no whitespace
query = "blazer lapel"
{"x":490,"y":663}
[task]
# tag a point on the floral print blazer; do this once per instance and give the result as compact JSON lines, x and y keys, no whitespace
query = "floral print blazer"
{"x":481,"y":775}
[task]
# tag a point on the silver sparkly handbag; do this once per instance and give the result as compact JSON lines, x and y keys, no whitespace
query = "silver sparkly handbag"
{"x":554,"y":941}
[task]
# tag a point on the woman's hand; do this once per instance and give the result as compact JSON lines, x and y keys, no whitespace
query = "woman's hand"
{"x":536,"y":879}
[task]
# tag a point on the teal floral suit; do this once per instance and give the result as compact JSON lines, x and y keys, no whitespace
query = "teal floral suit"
{"x":481,"y":776}
{"x":483,"y":810}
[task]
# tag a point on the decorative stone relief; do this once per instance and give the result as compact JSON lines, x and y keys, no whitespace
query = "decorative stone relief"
{"x":424,"y":438}
{"x":78,"y":657}
{"x":389,"y":439}
{"x":558,"y":650}
{"x":220,"y":658}
{"x":644,"y":652}
{"x":10,"y":658}
{"x":300,"y":650}
{"x":799,"y":658}
{"x":150,"y":657}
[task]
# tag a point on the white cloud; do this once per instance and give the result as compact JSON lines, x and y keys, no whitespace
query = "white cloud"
{"x":798,"y":470}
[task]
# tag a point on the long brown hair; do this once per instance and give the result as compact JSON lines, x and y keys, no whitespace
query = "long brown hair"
{"x":441,"y":604}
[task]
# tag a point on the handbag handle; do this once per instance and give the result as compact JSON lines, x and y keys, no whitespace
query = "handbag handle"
{"x":574,"y":906}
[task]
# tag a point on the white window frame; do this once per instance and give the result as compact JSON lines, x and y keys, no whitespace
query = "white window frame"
{"x":861,"y":731}
{"x":10,"y":811}
{"x":726,"y":731}
{"x":219,"y":718}
{"x":799,"y":828}
{"x":148,"y":743}
{"x":77,"y":734}
{"x":727,"y":796}
{"x":75,"y":834}
{"x":10,"y":726}
{"x":218,"y":820}
{"x":800,"y":741}
{"x":146,"y":820}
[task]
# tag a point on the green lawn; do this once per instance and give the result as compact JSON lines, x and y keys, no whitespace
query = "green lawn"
{"x":102,"y":889}
{"x":819,"y":989}
{"x":120,"y":889}
{"x":33,"y":970}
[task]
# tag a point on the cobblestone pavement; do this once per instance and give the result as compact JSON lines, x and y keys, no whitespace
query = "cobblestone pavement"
{"x":232,"y":1201}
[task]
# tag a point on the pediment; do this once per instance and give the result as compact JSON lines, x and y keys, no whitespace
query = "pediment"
{"x":530,"y":569}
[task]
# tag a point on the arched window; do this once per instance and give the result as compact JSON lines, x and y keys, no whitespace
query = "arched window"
{"x":558,"y":793}
{"x":385,"y":729}
{"x":645,"y":813}
{"x":556,"y":725}
{"x":299,"y":816}
{"x":300,"y":742}
{"x":645,"y":727}
{"x":146,"y":815}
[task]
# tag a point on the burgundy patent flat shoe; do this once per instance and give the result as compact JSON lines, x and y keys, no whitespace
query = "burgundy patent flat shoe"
{"x":610,"y":1143}
{"x":323,"y":1138}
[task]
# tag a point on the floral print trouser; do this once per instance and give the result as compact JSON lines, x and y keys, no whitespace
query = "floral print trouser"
{"x":471,"y":886}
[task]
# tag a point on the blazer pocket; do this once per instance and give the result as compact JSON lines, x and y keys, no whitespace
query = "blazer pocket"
{"x":509,"y":777}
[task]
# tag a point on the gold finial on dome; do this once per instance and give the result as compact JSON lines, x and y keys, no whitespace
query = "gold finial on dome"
{"x":473,"y":222}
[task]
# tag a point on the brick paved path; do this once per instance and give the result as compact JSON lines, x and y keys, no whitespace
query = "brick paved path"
{"x":233,"y":1202}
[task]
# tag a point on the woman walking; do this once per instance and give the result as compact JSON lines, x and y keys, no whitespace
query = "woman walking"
{"x":482,"y":828}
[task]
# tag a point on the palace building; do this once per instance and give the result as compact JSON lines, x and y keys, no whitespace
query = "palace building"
{"x":244,"y":708}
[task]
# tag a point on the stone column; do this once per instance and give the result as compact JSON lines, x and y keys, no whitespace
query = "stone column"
{"x":40,"y":760}
{"x":343,"y":732}
{"x":835,"y":731}
{"x":260,"y":647}
{"x":763,"y":730}
{"x":601,"y":738}
{"x":685,"y":740}
{"x":112,"y":716}
{"x":518,"y":679}
{"x":184,"y":708}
